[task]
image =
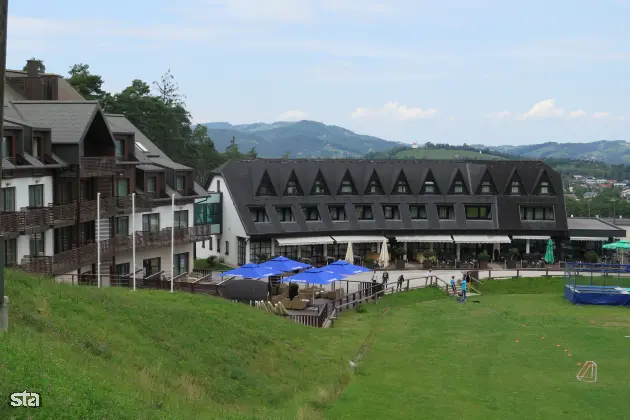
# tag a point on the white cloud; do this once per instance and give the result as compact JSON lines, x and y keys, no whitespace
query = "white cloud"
{"x":579,"y":113}
{"x":452,"y":118}
{"x":546,"y":108}
{"x":622,"y":118}
{"x":499,"y":115}
{"x":601,"y":115}
{"x":394,"y":110}
{"x":293,"y":115}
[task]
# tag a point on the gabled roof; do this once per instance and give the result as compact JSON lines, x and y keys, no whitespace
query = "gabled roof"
{"x":68,"y":120}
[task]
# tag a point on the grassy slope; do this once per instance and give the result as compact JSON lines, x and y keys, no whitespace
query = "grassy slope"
{"x":449,"y":360}
{"x":442,"y":154}
{"x":116,"y":354}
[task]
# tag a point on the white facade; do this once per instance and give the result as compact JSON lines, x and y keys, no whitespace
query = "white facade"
{"x":231,"y":230}
{"x":21,"y":186}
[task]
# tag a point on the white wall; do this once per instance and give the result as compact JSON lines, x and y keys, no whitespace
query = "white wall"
{"x":231,"y":228}
{"x":21,"y":200}
{"x":166,"y":216}
{"x":163,"y":253}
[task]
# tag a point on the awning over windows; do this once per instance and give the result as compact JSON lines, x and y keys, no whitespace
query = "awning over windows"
{"x":426,"y":238}
{"x":481,"y":239}
{"x":312,"y":240}
{"x":533,"y":238}
{"x":587,"y":239}
{"x":359,"y":239}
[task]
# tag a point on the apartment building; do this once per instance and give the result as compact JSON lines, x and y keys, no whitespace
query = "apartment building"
{"x":70,"y":169}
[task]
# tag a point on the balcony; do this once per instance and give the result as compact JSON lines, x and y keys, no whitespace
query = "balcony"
{"x":201,"y":233}
{"x":112,"y":206}
{"x":95,"y":166}
{"x":10,"y":223}
{"x":67,"y":261}
{"x":38,"y":219}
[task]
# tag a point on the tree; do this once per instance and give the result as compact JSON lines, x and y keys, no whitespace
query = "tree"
{"x":286,"y":155}
{"x":168,"y":89}
{"x":87,"y":84}
{"x":252,"y":154}
{"x":41,"y":68}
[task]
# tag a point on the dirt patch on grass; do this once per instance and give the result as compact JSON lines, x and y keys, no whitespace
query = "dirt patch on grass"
{"x":616,"y":324}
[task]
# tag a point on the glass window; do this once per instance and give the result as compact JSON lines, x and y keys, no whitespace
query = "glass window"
{"x":10,"y":251}
{"x":36,"y":195}
{"x":537,"y":213}
{"x":120,"y":147}
{"x":259,"y":214}
{"x":364,"y":212}
{"x":391,"y":212}
{"x":311,"y":213}
{"x":123,"y":269}
{"x":7,"y":199}
{"x":151,"y":184}
{"x":181,"y":219}
{"x":122,"y":226}
{"x":180,"y":262}
{"x":180,"y":182}
{"x":227,"y":248}
{"x":337,"y":213}
{"x":544,"y":187}
{"x":240,"y":250}
{"x":401,"y":187}
{"x":151,"y":222}
{"x":478,"y":212}
{"x":429,"y":187}
{"x":7,"y":147}
{"x":151,"y":266}
{"x":418,"y":212}
{"x":292,"y":188}
{"x":259,"y":251}
{"x":515,"y":187}
{"x":374,"y":187}
{"x":458,"y":187}
{"x":37,"y":244}
{"x":285,"y":214}
{"x":486,"y":187}
{"x":37,"y":141}
{"x":446,"y":212}
{"x":122,"y":187}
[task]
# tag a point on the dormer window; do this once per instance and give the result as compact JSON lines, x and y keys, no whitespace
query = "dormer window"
{"x":265,"y":188}
{"x":458,"y":187}
{"x":429,"y":187}
{"x":374,"y":185}
{"x":180,"y":182}
{"x":515,"y":188}
{"x":259,"y":214}
{"x":292,"y":188}
{"x":486,"y":187}
{"x":7,"y":147}
{"x":402,"y":187}
{"x":544,"y":188}
{"x":347,"y":186}
{"x":319,"y":186}
{"x":119,"y":147}
{"x":37,"y":147}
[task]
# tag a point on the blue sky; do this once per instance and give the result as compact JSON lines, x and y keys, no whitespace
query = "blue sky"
{"x":454,"y":71}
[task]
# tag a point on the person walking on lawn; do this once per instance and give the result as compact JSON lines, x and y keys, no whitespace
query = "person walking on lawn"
{"x":453,"y":288}
{"x":464,"y":289}
{"x":401,"y":279}
{"x":385,"y":279}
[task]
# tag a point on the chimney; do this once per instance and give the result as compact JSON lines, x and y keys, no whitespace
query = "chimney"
{"x":31,"y":68}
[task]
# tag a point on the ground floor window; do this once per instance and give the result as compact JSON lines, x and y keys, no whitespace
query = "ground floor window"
{"x":289,"y":251}
{"x":241,"y":250}
{"x":363,"y":250}
{"x":180,"y":262}
{"x":415,"y":249}
{"x":151,"y":266}
{"x":445,"y":250}
{"x":313,"y":252}
{"x":10,"y":252}
{"x":338,"y":251}
{"x":259,"y":251}
{"x":123,"y":269}
{"x":37,"y":244}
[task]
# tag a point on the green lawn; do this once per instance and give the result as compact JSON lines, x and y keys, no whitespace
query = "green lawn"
{"x":443,"y":154}
{"x":449,"y":360}
{"x":117,"y":354}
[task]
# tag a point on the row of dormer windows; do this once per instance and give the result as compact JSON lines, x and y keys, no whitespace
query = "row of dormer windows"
{"x":392,"y":212}
{"x":401,"y":187}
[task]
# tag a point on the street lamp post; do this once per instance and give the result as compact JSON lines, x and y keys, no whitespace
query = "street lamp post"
{"x":4,"y":301}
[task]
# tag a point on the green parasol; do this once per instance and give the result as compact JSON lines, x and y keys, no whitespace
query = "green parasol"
{"x":623,"y":244}
{"x":549,"y":254}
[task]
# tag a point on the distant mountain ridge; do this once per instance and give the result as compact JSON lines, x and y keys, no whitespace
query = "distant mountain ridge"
{"x":301,"y":139}
{"x":606,"y":151}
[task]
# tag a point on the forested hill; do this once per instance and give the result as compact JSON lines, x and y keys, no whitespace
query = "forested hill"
{"x":301,"y":139}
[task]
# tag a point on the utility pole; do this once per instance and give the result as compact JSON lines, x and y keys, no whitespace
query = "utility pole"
{"x":4,"y":12}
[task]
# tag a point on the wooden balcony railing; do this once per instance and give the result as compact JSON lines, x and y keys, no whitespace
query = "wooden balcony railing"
{"x":38,"y":219}
{"x":97,"y":166}
{"x":200,"y":233}
{"x":86,"y":255}
{"x":10,"y":223}
{"x":66,"y":261}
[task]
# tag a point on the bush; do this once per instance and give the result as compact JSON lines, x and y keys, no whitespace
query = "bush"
{"x":483,"y":256}
{"x":294,"y":290}
{"x":514,"y":253}
{"x":591,"y":256}
{"x":360,"y":309}
{"x":221,"y":260}
{"x":261,"y":258}
{"x":211,"y":260}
